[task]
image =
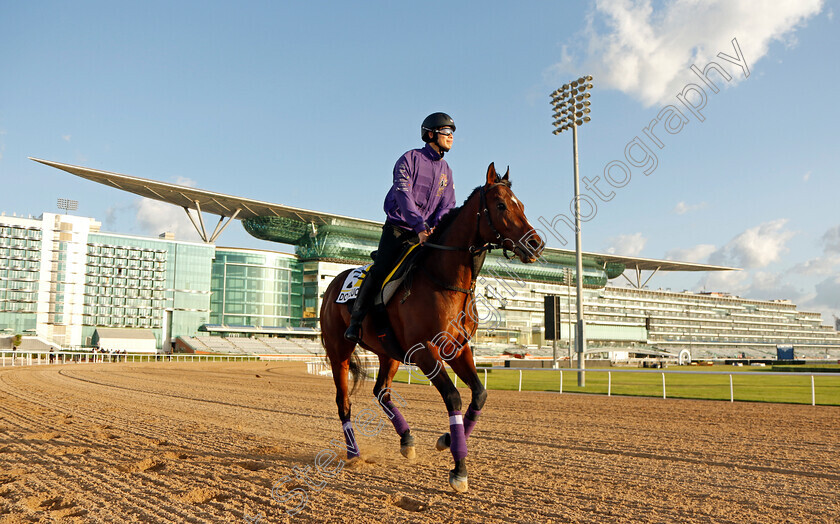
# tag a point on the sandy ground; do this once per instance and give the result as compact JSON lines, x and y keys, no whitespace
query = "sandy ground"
{"x":186,"y":442}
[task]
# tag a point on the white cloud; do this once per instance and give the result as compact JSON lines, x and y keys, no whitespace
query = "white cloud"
{"x":66,"y":138}
{"x":760,"y":285}
{"x":698,"y":253}
{"x":819,"y":266}
{"x":761,"y":245}
{"x":756,"y":247}
{"x":682,"y":208}
{"x":827,"y":298}
{"x":184,"y":181}
{"x":831,"y":240}
{"x":646,"y":52}
{"x":111,"y":215}
{"x":155,"y":217}
{"x":735,"y":282}
{"x":806,"y":177}
{"x":768,"y":285}
{"x":626,"y":245}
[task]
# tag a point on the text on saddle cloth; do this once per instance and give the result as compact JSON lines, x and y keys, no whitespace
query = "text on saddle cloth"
{"x":352,"y":284}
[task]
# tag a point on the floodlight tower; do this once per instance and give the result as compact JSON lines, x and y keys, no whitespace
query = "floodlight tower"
{"x":571,"y":109}
{"x":67,"y":204}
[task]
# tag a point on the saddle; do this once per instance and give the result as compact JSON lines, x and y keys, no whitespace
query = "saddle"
{"x":401,"y":272}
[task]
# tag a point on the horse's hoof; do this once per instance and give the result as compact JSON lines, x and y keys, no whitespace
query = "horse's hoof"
{"x":407,"y":445}
{"x":458,"y":482}
{"x":443,"y":442}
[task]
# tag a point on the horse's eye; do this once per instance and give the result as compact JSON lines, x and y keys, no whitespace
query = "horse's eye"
{"x":501,"y":206}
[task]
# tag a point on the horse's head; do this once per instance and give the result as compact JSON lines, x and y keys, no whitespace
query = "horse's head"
{"x":505,"y":222}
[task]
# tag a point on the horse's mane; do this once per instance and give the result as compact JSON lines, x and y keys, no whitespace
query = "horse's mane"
{"x":447,"y":219}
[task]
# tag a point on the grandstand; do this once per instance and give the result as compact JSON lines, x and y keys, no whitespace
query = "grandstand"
{"x":254,"y":345}
{"x":218,"y":345}
{"x":122,"y":281}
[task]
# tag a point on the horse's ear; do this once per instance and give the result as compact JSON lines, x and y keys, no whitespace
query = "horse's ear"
{"x":507,"y":174}
{"x":492,"y":176}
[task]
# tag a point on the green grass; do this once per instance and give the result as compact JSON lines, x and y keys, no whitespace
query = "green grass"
{"x":755,"y":386}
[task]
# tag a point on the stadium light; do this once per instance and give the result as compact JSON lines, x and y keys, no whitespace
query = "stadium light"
{"x":67,"y":205}
{"x":571,"y":109}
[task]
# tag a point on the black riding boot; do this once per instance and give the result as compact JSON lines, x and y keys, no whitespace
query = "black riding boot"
{"x":360,"y":309}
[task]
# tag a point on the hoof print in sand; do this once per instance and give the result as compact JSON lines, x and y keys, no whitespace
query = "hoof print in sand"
{"x":201,"y":496}
{"x":250,"y":465}
{"x":408,"y":503}
{"x":142,"y":466}
{"x":58,"y":507}
{"x":173,"y":455}
{"x":360,"y":464}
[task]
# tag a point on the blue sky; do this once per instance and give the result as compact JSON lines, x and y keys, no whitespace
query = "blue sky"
{"x":310,"y":103}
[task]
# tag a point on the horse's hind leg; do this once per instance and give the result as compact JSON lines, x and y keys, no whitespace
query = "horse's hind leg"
{"x":340,"y":368}
{"x":464,"y":366}
{"x":382,"y":390}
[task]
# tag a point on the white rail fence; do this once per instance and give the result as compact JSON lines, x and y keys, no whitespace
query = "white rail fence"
{"x":36,"y":358}
{"x":370,"y":365}
{"x":414,"y":371}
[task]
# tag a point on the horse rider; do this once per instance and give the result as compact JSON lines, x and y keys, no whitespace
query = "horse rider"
{"x":422,"y":192}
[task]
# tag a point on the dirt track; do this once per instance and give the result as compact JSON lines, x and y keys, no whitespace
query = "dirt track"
{"x":183,"y":442}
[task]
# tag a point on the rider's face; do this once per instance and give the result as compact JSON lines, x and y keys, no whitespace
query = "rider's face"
{"x":444,"y":142}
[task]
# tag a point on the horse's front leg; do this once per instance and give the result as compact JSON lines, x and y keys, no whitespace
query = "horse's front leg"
{"x":433,"y":368}
{"x":382,"y":391}
{"x":464,"y":366}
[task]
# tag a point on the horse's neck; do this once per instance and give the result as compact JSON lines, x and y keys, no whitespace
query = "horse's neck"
{"x":457,"y":266}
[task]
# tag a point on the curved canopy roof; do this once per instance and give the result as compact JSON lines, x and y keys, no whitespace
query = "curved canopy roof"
{"x":201,"y":199}
{"x":243,"y":208}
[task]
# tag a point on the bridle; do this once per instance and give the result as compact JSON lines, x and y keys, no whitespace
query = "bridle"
{"x":487,"y":246}
{"x":478,"y":253}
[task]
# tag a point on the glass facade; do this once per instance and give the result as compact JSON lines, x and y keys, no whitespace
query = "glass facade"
{"x":133,"y":282}
{"x":20,"y":265}
{"x":256,"y":288}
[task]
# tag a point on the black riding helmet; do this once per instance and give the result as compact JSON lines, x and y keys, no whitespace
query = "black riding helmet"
{"x":434,"y":122}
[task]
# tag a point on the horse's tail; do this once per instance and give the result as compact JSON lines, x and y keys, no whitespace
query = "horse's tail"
{"x":357,"y":371}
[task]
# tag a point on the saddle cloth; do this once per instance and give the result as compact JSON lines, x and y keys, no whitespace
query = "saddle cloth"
{"x":353,"y":282}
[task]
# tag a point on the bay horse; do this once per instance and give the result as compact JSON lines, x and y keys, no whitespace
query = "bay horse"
{"x":435,"y":319}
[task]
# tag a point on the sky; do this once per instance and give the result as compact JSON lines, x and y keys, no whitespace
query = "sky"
{"x":309,"y":104}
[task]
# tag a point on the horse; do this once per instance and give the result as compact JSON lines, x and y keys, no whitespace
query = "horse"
{"x":435,"y":319}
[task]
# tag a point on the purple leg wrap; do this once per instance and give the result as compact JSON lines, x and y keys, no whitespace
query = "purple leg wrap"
{"x":391,"y":411}
{"x":458,"y":444}
{"x":469,"y":421}
{"x":350,"y":439}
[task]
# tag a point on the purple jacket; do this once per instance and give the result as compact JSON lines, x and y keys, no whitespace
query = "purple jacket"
{"x":422,"y":191}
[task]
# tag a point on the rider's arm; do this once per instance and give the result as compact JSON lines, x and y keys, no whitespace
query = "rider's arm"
{"x":404,"y":196}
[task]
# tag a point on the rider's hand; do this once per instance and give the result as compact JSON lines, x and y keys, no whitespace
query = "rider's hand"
{"x":423,"y":236}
